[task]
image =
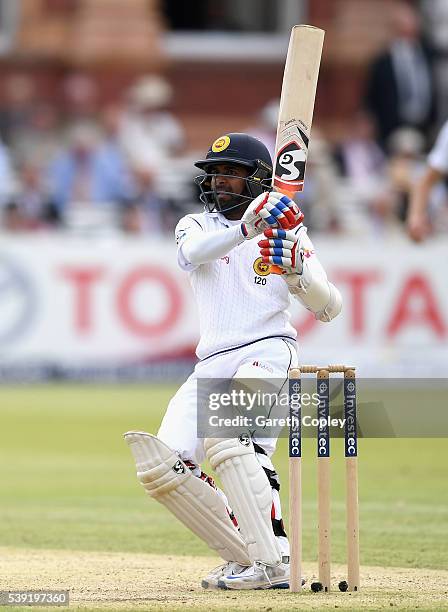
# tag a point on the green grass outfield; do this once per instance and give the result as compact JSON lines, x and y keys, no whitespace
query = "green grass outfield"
{"x":67,"y":481}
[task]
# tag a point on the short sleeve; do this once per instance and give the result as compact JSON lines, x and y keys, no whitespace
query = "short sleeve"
{"x":438,"y":157}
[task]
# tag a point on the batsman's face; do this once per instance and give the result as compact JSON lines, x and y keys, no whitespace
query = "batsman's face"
{"x":228,"y":180}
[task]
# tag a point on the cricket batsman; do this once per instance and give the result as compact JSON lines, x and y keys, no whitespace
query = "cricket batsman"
{"x":245,"y":333}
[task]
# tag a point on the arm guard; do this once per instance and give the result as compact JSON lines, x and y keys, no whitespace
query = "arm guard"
{"x":317,"y":294}
{"x":311,"y":286}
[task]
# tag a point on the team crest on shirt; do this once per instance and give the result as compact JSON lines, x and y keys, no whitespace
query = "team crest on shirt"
{"x":261,"y":268}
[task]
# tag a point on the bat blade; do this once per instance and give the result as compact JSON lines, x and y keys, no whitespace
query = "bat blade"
{"x":296,"y":108}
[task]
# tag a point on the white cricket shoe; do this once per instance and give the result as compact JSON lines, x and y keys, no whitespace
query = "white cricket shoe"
{"x":259,"y":576}
{"x":231,"y":568}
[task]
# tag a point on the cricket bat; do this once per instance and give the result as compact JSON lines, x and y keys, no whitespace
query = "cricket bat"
{"x":296,"y":108}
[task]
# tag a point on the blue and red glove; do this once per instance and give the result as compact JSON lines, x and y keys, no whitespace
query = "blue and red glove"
{"x":281,"y":248}
{"x":271,"y":209}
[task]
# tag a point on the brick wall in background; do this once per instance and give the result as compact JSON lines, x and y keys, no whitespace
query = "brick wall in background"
{"x":115,"y":40}
{"x":90,"y":32}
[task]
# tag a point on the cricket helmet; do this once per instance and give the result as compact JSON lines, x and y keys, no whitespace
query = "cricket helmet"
{"x":243,"y":150}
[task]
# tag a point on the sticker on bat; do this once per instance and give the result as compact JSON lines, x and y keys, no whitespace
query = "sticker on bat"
{"x":291,"y":160}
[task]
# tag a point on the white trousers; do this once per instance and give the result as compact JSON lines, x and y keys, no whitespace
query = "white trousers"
{"x":265,"y":359}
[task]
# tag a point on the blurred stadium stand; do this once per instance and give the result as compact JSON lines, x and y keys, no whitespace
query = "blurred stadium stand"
{"x":136,"y":90}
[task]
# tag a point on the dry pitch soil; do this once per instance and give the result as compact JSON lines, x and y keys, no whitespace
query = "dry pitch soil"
{"x":126,"y":581}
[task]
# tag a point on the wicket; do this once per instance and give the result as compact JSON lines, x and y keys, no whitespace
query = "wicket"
{"x":323,"y":477}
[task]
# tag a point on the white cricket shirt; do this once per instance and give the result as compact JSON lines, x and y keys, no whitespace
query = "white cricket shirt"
{"x":239,"y":301}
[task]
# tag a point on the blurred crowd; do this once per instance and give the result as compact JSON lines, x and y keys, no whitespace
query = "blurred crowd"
{"x":354,"y":185}
{"x":87,"y":168}
{"x":126,"y":166}
{"x":364,"y":181}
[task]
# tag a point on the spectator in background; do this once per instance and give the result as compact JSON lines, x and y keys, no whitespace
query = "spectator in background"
{"x":142,"y":209}
{"x":39,"y":137}
{"x":87,"y":173}
{"x":111,"y":153}
{"x":320,"y":199}
{"x":19,"y":101}
{"x":80,"y":100}
{"x":266,"y":127}
{"x":132,"y":221}
{"x":7,"y":176}
{"x":435,"y":23}
{"x":358,"y":157}
{"x":32,"y":203}
{"x":399,"y":90}
{"x":150,"y":133}
{"x":406,"y":162}
{"x":150,"y":136}
{"x":365,"y":199}
{"x":12,"y":220}
{"x":418,"y":220}
{"x":146,"y":211}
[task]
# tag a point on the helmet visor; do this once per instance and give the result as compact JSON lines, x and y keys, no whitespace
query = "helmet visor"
{"x":218,"y":198}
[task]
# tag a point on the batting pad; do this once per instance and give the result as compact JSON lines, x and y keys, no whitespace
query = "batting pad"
{"x":194,"y":502}
{"x":249,"y":493}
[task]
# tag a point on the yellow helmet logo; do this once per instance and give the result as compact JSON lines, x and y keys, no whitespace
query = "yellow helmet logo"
{"x":220,"y":144}
{"x":261,"y":268}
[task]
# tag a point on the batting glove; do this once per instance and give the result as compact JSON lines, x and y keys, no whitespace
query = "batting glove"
{"x":270,"y":210}
{"x":281,"y":248}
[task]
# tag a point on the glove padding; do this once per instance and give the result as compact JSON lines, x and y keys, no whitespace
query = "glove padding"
{"x":271,"y":209}
{"x":282,"y":248}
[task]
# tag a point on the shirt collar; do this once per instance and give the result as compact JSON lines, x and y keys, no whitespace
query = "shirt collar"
{"x":222,"y":219}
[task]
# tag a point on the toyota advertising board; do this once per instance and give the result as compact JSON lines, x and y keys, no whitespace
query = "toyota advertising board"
{"x":74,"y":302}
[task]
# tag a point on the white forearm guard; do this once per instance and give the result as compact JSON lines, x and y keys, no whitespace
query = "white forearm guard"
{"x":316,"y":293}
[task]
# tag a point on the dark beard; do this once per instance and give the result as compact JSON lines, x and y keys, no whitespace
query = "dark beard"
{"x":236,"y":213}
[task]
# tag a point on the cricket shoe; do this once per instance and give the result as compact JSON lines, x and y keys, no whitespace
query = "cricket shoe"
{"x":231,"y":568}
{"x":259,"y":576}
